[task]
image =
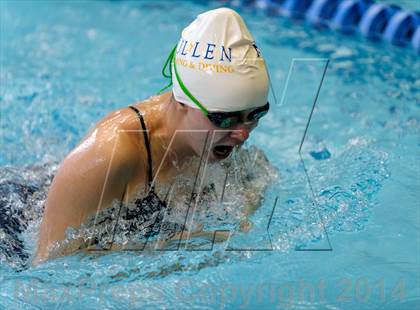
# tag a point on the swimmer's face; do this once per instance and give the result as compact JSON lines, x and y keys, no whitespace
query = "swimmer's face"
{"x":222,"y":140}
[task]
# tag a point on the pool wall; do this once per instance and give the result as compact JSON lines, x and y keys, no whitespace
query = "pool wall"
{"x":374,"y":20}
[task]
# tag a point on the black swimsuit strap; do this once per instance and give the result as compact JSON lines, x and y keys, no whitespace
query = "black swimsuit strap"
{"x":147,"y":143}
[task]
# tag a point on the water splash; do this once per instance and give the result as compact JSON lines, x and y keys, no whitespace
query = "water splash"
{"x":345,"y":201}
{"x":24,"y":190}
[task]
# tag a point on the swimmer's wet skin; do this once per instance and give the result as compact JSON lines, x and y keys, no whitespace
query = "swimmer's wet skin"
{"x":127,"y":151}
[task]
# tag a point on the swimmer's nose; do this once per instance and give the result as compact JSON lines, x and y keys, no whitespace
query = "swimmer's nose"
{"x":241,"y":132}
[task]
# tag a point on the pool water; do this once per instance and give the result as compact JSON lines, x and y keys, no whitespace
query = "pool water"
{"x":343,"y":218}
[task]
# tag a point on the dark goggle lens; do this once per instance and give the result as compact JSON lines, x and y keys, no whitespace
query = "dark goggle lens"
{"x":258,"y":113}
{"x":256,"y":116}
{"x":221,"y":120}
{"x":224,"y":120}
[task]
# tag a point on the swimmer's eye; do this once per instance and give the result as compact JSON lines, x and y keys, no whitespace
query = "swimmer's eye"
{"x":223,"y":120}
{"x":229,"y":119}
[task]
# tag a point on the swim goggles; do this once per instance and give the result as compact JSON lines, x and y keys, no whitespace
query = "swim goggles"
{"x":219,"y":119}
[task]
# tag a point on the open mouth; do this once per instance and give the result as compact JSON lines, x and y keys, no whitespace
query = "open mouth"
{"x":222,"y":151}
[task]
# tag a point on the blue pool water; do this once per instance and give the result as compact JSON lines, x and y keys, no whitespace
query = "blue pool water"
{"x":64,"y":65}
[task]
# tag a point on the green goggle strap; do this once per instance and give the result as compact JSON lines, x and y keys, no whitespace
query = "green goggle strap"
{"x":169,"y":75}
{"x":170,"y":61}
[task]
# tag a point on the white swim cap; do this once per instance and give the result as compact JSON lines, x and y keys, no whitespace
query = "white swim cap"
{"x":217,"y":66}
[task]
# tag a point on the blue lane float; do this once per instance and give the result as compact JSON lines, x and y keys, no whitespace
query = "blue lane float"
{"x":415,"y":42}
{"x":374,"y":21}
{"x":321,"y":11}
{"x":348,"y":15}
{"x":295,"y":8}
{"x":401,"y":27}
{"x":371,"y":19}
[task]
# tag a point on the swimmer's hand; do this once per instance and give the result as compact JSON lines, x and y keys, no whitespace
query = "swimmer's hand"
{"x":216,"y":235}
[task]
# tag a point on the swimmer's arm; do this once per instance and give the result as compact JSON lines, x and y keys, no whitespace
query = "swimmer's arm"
{"x":88,"y":180}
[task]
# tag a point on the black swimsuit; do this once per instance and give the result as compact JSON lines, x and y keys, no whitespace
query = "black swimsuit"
{"x":13,"y":222}
{"x":145,"y":219}
{"x":149,"y":209}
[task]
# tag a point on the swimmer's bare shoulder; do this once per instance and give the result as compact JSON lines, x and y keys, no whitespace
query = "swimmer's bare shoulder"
{"x":91,"y":176}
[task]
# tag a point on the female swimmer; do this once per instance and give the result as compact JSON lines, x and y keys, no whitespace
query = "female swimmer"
{"x":134,"y":149}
